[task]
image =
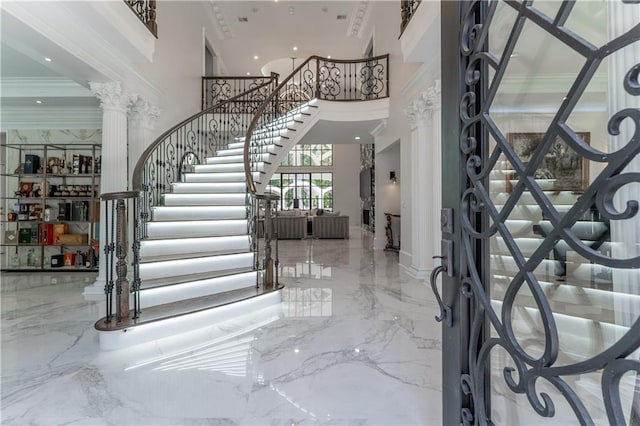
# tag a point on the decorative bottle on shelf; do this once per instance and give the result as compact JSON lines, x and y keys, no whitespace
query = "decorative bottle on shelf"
{"x":15,"y":261}
{"x":78,"y":261}
{"x":30,"y":259}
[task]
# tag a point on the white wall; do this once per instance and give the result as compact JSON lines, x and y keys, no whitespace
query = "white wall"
{"x":346,"y":181}
{"x":178,"y":61}
{"x":387,"y":193}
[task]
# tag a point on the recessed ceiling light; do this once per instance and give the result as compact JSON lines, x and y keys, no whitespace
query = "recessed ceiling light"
{"x":48,"y":59}
{"x":357,"y":138}
{"x":248,"y":73}
{"x":329,"y":57}
{"x":255,"y":57}
{"x":295,"y":47}
{"x":38,"y":101}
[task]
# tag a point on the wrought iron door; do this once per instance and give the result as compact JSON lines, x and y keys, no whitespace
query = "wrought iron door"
{"x":541,"y":230}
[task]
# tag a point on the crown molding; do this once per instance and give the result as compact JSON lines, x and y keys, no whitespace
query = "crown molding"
{"x":359,"y":17}
{"x":42,"y":87}
{"x":50,"y":118}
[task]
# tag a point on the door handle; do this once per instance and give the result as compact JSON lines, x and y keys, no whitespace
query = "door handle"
{"x":445,"y":311}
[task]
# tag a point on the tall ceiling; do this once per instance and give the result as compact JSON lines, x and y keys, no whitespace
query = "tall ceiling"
{"x":270,"y":29}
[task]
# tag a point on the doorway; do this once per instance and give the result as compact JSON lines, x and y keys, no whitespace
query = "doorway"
{"x":541,"y":231}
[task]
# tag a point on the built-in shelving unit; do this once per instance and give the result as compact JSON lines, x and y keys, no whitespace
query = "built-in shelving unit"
{"x":51,"y":204}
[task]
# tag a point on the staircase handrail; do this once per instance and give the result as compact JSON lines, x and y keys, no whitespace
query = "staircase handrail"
{"x":228,"y":86}
{"x":137,"y":171}
{"x":319,"y":85}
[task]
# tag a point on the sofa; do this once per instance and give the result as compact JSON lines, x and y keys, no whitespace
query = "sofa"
{"x":330,"y":226}
{"x":291,"y":227}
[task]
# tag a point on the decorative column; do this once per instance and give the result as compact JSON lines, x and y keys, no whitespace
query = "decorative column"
{"x":625,"y":234}
{"x":142,"y":119}
{"x":426,"y":193}
{"x":114,"y":102}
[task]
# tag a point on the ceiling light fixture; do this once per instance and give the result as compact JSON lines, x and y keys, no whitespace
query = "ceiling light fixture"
{"x":48,"y":59}
{"x":357,"y":138}
{"x":255,"y":57}
{"x":248,"y":73}
{"x":38,"y":101}
{"x":329,"y":57}
{"x":295,"y":47}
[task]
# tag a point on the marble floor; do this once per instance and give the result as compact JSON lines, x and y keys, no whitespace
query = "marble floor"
{"x":353,"y":343}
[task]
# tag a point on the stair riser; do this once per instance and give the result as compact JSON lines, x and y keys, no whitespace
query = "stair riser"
{"x":161,"y":295}
{"x":204,"y":199}
{"x":189,"y":323}
{"x":234,"y":159}
{"x":215,"y":177}
{"x":217,"y":168}
{"x":155,"y":270}
{"x":160,"y":214}
{"x":196,"y":229}
{"x":192,"y":246}
{"x":208,"y":188}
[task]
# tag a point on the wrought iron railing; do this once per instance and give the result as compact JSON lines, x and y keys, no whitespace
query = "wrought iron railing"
{"x":218,"y":89}
{"x":320,"y":78}
{"x":146,"y":11}
{"x":187,"y":144}
{"x":407,"y":9}
{"x":120,"y":209}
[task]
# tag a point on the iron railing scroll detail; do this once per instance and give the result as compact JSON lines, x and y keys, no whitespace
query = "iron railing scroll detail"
{"x":218,"y":89}
{"x":492,"y":327}
{"x":120,"y":208}
{"x":187,"y":144}
{"x":146,"y":11}
{"x":316,"y":78}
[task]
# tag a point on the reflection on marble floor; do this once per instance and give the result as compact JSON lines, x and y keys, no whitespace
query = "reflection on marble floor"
{"x":353,"y":343}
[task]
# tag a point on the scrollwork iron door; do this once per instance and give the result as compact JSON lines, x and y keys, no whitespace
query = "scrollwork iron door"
{"x":545,"y":292}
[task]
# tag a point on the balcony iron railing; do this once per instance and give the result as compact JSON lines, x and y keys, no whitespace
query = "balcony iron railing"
{"x":407,"y":9}
{"x":321,"y":78}
{"x":146,"y":11}
{"x":218,"y":89}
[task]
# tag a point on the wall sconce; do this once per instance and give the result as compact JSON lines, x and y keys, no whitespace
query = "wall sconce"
{"x":392,"y":176}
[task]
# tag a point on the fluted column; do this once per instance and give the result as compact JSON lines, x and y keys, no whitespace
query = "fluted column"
{"x":142,"y":119}
{"x":625,"y":235}
{"x":425,"y":181}
{"x":114,"y":101}
{"x":435,"y":154}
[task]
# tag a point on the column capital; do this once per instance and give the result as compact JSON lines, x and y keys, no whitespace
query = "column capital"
{"x":144,"y":113}
{"x":427,"y":102}
{"x":112,"y":96}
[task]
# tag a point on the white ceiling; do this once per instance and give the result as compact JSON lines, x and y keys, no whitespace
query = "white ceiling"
{"x":273,"y":28}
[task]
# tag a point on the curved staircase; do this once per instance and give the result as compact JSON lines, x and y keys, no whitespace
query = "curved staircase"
{"x":197,"y":207}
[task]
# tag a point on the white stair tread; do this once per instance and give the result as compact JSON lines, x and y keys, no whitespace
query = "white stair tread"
{"x":179,"y":213}
{"x":225,"y":167}
{"x":208,"y":187}
{"x":195,"y":228}
{"x":150,"y":249}
{"x":197,"y":265}
{"x":196,"y":289}
{"x":229,"y":199}
{"x":215,"y":177}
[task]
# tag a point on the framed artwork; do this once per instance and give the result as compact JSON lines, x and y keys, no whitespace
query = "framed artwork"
{"x":562,"y":169}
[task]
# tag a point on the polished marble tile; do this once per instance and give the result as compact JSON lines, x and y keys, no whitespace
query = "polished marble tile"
{"x":352,"y":343}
